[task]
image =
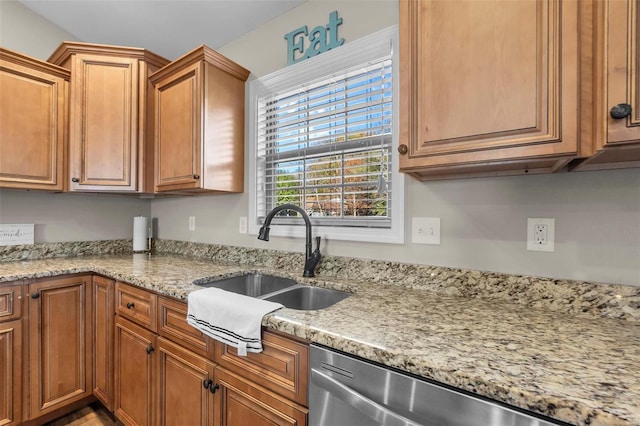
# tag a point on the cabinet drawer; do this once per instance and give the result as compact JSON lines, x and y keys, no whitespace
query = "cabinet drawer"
{"x":10,"y":302}
{"x":281,"y":367}
{"x":172,"y":324}
{"x":136,"y":304}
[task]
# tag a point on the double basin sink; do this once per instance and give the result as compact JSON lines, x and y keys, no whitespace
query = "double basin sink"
{"x":280,"y":290}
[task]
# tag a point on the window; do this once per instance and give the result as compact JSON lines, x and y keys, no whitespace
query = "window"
{"x":322,"y":134}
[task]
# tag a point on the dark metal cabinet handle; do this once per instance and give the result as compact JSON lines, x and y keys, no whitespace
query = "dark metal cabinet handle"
{"x":150,"y":349}
{"x":621,"y":111}
{"x":214,"y":388}
{"x":403,"y":149}
{"x":35,"y":295}
{"x":196,"y":177}
{"x":75,"y":179}
{"x":207,"y":383}
{"x":130,"y":305}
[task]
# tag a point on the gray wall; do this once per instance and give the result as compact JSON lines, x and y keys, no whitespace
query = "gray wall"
{"x":72,"y":217}
{"x":483,"y":220}
{"x":59,"y":217}
{"x":29,"y":33}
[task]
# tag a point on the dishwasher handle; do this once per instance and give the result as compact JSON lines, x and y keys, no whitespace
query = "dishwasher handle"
{"x":360,"y":402}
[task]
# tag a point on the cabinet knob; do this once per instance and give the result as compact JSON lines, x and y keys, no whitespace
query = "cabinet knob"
{"x":130,"y":305}
{"x":150,"y":349}
{"x":196,"y":177}
{"x":35,"y":295}
{"x":402,"y":149}
{"x":621,"y":111}
{"x":214,"y":388}
{"x":75,"y":179}
{"x":207,"y":383}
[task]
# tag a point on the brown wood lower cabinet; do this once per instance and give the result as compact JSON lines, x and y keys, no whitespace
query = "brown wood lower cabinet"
{"x":103,"y":327}
{"x":281,"y":367}
{"x":241,"y":403}
{"x":60,"y":335}
{"x":185,"y":386}
{"x":173,"y":325}
{"x":10,"y":372}
{"x":66,"y":341}
{"x":134,"y":373}
{"x":158,"y":381}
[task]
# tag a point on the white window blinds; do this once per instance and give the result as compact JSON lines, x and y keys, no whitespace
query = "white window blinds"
{"x":326,"y":147}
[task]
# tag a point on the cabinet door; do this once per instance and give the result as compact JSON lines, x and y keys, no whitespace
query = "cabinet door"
{"x":103,"y":123}
{"x":183,"y":383}
{"x":59,"y":342}
{"x":622,"y":18}
{"x":134,"y":373}
{"x":32,"y":123}
{"x":488,"y":83}
{"x":103,"y":326}
{"x":10,"y":372}
{"x":178,"y":132}
{"x":172,"y":324}
{"x":241,"y":403}
{"x":282,"y":366}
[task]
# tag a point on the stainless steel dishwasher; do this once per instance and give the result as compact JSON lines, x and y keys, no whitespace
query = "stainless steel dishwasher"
{"x":348,"y":391}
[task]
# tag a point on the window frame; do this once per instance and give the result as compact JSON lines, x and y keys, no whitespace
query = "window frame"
{"x":350,"y":55}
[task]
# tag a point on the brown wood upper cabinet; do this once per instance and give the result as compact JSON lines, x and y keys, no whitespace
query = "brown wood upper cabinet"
{"x":488,"y":87}
{"x":32,"y":122}
{"x":611,"y":88}
{"x":199,"y":140}
{"x":111,"y":121}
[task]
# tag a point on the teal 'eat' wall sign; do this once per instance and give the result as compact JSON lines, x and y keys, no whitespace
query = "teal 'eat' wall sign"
{"x":321,"y":39}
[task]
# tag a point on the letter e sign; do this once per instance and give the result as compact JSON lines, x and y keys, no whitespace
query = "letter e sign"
{"x":321,"y":39}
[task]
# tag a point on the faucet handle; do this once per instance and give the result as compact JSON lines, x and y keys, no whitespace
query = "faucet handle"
{"x":318,"y":243}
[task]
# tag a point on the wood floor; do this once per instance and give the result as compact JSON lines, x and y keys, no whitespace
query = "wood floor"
{"x":94,"y":415}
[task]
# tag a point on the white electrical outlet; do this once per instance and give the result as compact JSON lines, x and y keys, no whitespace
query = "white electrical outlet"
{"x":192,"y":223}
{"x":540,"y":234}
{"x":425,"y":230}
{"x":242,"y":225}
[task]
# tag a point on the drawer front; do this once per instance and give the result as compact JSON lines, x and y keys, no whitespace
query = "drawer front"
{"x":10,"y":302}
{"x":282,"y":366}
{"x":172,"y":324}
{"x":137,"y":305}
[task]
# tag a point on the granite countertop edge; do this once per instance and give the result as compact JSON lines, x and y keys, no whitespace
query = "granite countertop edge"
{"x":449,"y":365}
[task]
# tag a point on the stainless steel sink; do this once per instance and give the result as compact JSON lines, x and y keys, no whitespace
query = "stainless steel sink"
{"x":254,"y":285}
{"x":308,"y":298}
{"x":278,"y":289}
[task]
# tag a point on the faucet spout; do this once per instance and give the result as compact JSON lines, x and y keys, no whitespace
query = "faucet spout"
{"x":311,"y":258}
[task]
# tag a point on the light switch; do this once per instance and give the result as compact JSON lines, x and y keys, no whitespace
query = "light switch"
{"x":425,"y":230}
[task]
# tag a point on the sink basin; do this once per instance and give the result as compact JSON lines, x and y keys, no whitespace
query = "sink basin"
{"x":254,"y":285}
{"x":308,"y":298}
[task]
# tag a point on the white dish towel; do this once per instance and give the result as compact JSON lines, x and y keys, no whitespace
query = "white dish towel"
{"x":230,"y":318}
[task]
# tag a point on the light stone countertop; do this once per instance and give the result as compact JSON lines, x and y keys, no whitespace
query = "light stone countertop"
{"x":573,"y":367}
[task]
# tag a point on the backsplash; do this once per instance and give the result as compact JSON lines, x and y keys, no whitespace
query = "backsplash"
{"x":604,"y":300}
{"x":573,"y":297}
{"x":64,"y":249}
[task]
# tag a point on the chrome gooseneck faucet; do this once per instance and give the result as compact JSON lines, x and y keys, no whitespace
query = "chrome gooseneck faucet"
{"x":311,"y":259}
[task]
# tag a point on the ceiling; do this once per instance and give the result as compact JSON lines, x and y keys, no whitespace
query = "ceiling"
{"x":169,"y":28}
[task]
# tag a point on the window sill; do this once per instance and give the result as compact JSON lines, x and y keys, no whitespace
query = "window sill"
{"x":371,"y":235}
